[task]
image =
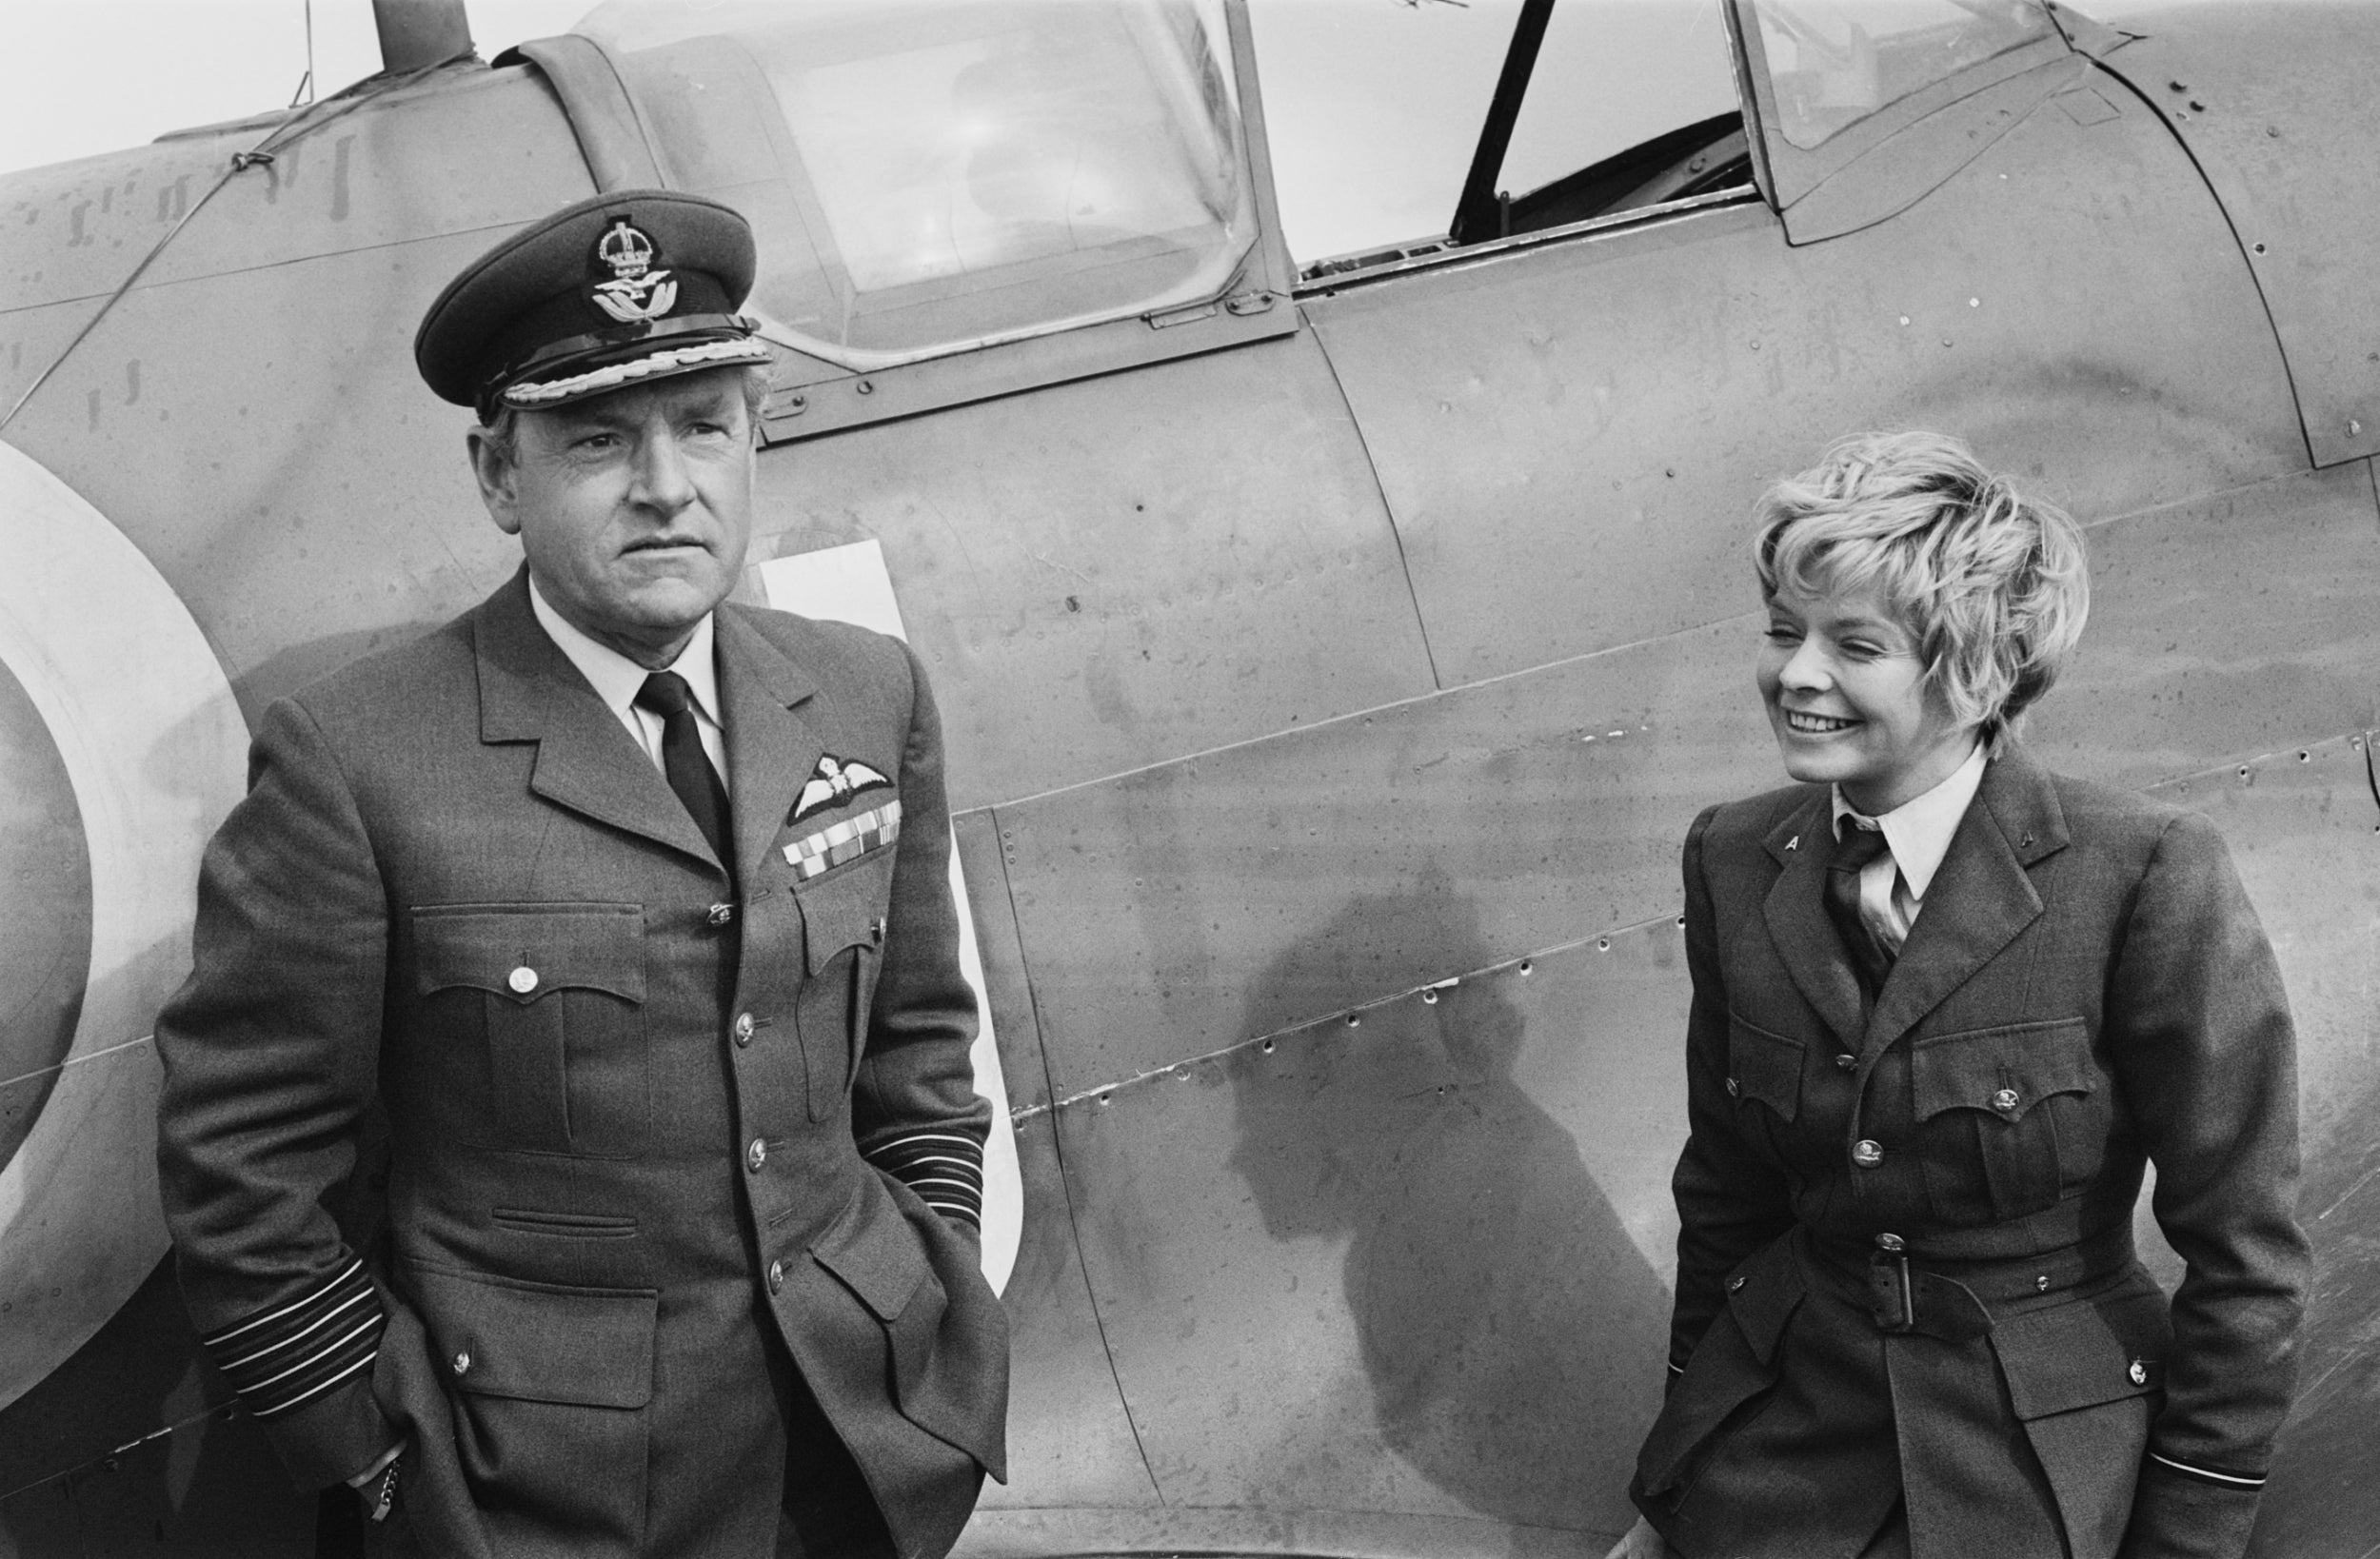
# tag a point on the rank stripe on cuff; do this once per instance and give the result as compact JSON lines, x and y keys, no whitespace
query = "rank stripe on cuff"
{"x":2207,"y":1474}
{"x":290,"y":1355}
{"x":945,"y":1169}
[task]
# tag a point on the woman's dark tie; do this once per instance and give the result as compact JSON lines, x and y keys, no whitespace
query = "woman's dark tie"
{"x":1852,"y":856}
{"x":683,"y":759}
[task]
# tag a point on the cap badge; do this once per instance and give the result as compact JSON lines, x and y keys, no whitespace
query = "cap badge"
{"x":635,"y":290}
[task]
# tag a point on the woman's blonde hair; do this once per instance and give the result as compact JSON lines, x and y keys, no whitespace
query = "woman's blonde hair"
{"x":1994,"y":585}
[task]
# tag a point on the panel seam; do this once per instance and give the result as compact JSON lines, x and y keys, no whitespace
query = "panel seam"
{"x":1388,"y":510}
{"x":1058,"y":1147}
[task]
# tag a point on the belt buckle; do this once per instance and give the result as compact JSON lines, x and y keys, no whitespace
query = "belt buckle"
{"x":1892,"y":1292}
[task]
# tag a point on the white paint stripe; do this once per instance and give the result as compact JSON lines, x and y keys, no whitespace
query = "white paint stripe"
{"x":851,"y":585}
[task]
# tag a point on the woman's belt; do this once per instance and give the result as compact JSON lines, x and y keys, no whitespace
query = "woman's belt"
{"x":1955,"y":1300}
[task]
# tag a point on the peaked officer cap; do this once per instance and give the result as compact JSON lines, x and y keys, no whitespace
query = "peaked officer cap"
{"x":623,"y":289}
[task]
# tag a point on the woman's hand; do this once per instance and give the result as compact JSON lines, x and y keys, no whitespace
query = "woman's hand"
{"x":1642,"y":1542}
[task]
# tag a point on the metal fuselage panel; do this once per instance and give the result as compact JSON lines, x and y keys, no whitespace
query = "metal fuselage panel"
{"x":2272,"y":103}
{"x":1284,"y":685}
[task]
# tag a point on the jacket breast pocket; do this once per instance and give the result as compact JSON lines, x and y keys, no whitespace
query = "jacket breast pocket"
{"x":1763,"y":1068}
{"x":842,"y":935}
{"x":1764,"y":1086}
{"x":2008,"y":1116}
{"x":557,"y":994}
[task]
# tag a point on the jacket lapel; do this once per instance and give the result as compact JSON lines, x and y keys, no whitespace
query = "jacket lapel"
{"x":528,"y":691}
{"x":772,"y":749}
{"x":1980,"y":898}
{"x":1795,"y":913}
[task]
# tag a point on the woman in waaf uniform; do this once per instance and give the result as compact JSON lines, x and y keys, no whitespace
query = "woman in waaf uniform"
{"x":1946,"y":1005}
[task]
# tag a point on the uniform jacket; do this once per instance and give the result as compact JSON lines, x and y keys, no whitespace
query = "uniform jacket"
{"x":2086,"y":990}
{"x":639,"y":1120}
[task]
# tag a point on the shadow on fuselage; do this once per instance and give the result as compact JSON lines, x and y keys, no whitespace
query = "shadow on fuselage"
{"x":1512,"y":1333}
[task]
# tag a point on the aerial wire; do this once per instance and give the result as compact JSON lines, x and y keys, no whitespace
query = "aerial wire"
{"x":299,"y":125}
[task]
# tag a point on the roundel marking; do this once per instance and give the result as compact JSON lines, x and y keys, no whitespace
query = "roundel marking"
{"x":45,"y":915}
{"x":140,"y":717}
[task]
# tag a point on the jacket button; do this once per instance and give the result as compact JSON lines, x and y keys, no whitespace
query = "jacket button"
{"x":2005,"y":1101}
{"x":463,"y":1363}
{"x":876,"y":932}
{"x":523,"y":980}
{"x":2041,"y":1284}
{"x":1891,"y":1242}
{"x":744,"y":1028}
{"x":755,"y":1155}
{"x":1733,"y":1090}
{"x":1867,"y":1154}
{"x":1736,"y":1285}
{"x":1847,"y":1062}
{"x":720,"y":915}
{"x":2139,"y":1373}
{"x":776,"y":1275}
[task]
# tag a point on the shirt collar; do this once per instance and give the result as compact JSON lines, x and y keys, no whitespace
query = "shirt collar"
{"x":616,"y":679}
{"x":1919,"y":832}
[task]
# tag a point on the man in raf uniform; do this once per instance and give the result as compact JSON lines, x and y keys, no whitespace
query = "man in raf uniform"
{"x":629,"y":907}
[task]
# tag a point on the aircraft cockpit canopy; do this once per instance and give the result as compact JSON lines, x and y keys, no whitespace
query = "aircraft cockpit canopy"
{"x":928,"y":176}
{"x":1834,"y":62}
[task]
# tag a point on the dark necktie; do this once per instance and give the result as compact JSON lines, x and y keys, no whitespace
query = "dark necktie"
{"x":1851,"y":855}
{"x":683,"y":759}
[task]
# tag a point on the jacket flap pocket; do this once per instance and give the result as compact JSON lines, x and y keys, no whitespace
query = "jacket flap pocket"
{"x":2081,"y":1355}
{"x":496,"y":1337}
{"x":2004,"y":1071}
{"x":1763,"y":1066}
{"x":1761,"y":1294}
{"x":523,"y":951}
{"x":873,"y":1249}
{"x":845,"y":910}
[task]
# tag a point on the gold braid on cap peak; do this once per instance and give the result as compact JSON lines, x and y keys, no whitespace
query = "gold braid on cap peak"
{"x":530,"y":396}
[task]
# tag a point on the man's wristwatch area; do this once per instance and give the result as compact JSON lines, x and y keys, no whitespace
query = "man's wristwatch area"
{"x":378,"y":1483}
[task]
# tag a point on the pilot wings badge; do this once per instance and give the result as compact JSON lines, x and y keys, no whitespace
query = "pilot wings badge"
{"x":635,"y":290}
{"x":837,"y":780}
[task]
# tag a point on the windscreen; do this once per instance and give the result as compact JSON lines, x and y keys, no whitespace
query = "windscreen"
{"x":1836,"y":62}
{"x":925,"y":176}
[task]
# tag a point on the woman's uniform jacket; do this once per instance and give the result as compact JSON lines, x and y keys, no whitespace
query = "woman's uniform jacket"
{"x":650,"y":1133}
{"x":1905,"y":1259}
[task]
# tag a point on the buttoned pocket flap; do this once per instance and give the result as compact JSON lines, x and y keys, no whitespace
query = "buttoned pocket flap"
{"x":1764,"y":1066}
{"x":875,"y":1253}
{"x":2082,"y":1355}
{"x":520,"y":952}
{"x":2002,"y":1071}
{"x":845,"y":909}
{"x":541,"y":1343}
